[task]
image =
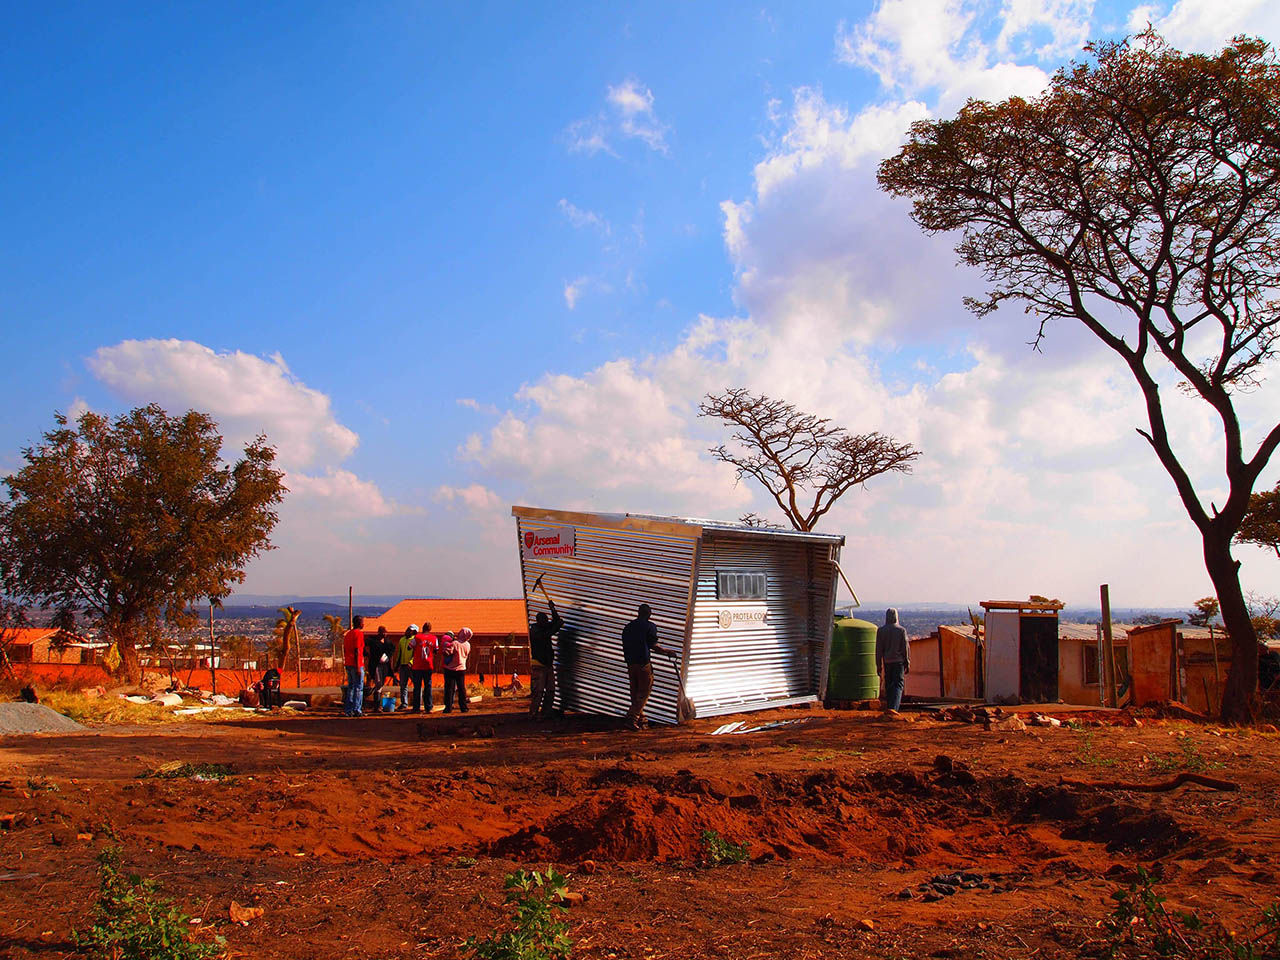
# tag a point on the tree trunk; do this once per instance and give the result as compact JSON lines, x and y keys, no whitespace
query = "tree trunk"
{"x":130,"y":668}
{"x":1240,"y":694}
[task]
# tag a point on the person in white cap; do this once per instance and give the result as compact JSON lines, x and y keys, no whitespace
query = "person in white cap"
{"x":402,"y":662}
{"x":456,"y":650}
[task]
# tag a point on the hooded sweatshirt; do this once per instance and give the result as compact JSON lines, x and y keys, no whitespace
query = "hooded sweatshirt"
{"x":891,"y":641}
{"x":455,"y":653}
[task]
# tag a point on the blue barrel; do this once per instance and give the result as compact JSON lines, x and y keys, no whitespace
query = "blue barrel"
{"x":852,"y":674}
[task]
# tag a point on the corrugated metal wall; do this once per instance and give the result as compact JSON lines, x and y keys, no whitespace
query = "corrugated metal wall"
{"x":750,"y":664}
{"x":597,"y":592}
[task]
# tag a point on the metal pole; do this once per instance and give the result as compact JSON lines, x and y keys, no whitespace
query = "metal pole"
{"x":1108,"y":651}
{"x":351,"y":599}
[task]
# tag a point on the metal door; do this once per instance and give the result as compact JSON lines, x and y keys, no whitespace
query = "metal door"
{"x":1003,"y":631}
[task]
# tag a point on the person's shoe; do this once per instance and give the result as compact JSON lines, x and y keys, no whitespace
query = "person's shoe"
{"x":448,"y":710}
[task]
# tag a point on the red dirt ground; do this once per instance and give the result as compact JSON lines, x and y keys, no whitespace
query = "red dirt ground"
{"x":390,"y":836}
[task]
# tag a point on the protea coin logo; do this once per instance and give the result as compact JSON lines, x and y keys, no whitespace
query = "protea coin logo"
{"x":726,"y":619}
{"x":528,"y":540}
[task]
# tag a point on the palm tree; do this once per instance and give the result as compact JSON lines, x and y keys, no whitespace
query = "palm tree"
{"x":287,"y":631}
{"x":337,"y":628}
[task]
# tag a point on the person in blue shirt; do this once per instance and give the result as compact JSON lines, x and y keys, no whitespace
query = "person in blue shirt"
{"x":639,"y":640}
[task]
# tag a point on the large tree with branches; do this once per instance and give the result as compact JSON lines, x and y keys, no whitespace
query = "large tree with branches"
{"x":135,"y":520}
{"x":1140,"y":196}
{"x":804,"y":462}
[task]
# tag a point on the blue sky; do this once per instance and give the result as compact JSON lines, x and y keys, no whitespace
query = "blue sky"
{"x":336,"y":222}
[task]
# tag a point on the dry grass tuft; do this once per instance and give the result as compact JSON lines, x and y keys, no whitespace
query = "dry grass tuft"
{"x":111,"y":708}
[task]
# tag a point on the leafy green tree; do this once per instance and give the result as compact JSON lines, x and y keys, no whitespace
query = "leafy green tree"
{"x":134,"y":520}
{"x":1261,"y":524}
{"x":1139,"y":196}
{"x":1205,"y":612}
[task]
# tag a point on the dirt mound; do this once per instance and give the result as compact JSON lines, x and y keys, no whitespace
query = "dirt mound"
{"x":18,"y":718}
{"x":624,"y":815}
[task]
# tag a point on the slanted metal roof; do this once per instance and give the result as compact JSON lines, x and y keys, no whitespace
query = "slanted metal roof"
{"x":680,"y":526}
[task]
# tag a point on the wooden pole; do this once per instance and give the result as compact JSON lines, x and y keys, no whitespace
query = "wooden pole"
{"x":1108,"y":653}
{"x":1217,"y":674}
{"x":213,"y":650}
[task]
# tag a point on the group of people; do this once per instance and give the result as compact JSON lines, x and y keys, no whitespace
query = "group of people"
{"x":373,"y":662}
{"x":413,"y":658}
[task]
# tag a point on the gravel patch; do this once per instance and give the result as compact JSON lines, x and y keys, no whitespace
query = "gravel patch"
{"x":33,"y":718}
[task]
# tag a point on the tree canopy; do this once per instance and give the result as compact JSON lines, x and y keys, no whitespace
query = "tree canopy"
{"x":803,"y":461}
{"x":1261,"y":524}
{"x":135,"y":519}
{"x":1140,"y":196}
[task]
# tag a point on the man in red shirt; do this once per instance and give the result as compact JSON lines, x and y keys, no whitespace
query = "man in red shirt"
{"x":353,"y":657}
{"x":424,"y":651}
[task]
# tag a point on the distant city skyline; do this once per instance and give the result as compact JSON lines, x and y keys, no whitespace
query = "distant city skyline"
{"x":455,"y":259}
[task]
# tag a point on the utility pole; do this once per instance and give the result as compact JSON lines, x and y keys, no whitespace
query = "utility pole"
{"x":213,"y":650}
{"x":1108,"y":649}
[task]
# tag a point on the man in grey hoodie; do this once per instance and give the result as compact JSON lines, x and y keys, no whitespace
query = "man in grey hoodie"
{"x":893,"y":658}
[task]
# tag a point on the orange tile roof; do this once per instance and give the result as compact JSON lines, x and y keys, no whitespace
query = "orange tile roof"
{"x":485,"y":617}
{"x":24,"y":636}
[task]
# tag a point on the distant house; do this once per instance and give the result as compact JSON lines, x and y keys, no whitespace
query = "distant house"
{"x":46,"y":645}
{"x":1059,"y":660}
{"x":500,"y":632}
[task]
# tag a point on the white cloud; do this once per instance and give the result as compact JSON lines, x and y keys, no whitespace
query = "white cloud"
{"x":918,"y":47}
{"x":628,"y":114}
{"x":249,"y":395}
{"x":588,"y":136}
{"x":1206,"y":25}
{"x":341,"y":492}
{"x":474,"y":497}
{"x":246,"y":394}
{"x":573,"y":290}
{"x":584,"y":218}
{"x":1045,"y":29}
{"x":633,"y":103}
{"x":78,"y":408}
{"x":471,"y":403}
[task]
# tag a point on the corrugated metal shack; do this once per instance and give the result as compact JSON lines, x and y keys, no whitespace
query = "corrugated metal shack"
{"x":750,"y":608}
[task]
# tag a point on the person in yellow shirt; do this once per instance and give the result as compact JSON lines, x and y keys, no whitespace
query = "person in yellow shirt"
{"x":402,"y":662}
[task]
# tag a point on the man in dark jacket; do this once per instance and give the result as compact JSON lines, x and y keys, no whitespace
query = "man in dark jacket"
{"x":542,"y":661}
{"x":893,"y":659}
{"x":639,"y":640}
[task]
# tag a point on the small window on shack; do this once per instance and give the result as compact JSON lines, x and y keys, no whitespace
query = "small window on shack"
{"x":1092,"y":661}
{"x":739,"y":585}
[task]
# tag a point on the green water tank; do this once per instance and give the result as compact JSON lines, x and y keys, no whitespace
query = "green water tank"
{"x":852,"y":674}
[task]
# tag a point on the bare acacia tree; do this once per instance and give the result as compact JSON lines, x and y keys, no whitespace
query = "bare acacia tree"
{"x":804,"y":462}
{"x":1140,"y":196}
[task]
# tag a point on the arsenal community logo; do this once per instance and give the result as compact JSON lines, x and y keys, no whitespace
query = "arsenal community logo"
{"x":528,"y":540}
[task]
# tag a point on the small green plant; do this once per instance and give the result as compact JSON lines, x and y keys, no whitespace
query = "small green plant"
{"x":539,"y":933}
{"x":1087,"y":752}
{"x":465,"y":863}
{"x":176,"y":770}
{"x":1187,"y":756}
{"x":717,"y":851}
{"x":132,"y":921}
{"x":1140,"y":927}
